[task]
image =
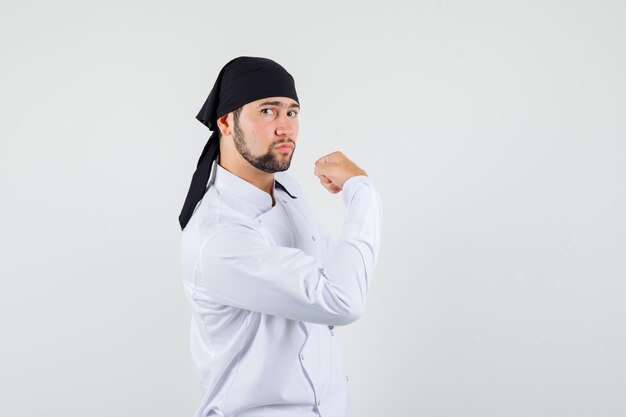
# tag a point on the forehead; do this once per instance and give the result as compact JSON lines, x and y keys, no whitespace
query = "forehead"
{"x":285,"y":102}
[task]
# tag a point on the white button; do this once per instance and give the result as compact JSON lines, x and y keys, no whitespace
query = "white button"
{"x":332,"y":333}
{"x":302,"y":357}
{"x":347,"y":379}
{"x":318,"y":403}
{"x":313,"y":237}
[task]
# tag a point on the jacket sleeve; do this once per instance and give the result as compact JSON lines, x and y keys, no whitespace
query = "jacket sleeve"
{"x":241,"y":269}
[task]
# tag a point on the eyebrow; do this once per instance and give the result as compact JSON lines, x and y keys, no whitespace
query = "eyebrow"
{"x":279,"y":103}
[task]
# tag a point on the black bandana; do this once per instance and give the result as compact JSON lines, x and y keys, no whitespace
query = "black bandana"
{"x":241,"y":81}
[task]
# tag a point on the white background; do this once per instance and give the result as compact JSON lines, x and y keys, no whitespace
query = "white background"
{"x":495,"y":132}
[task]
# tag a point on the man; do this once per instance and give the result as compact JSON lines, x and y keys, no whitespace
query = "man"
{"x":266,"y":283}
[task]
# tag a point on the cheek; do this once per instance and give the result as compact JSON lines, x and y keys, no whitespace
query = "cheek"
{"x":259,"y":135}
{"x":251,"y":130}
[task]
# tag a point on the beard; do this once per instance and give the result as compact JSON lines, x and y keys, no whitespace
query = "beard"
{"x":268,"y":162}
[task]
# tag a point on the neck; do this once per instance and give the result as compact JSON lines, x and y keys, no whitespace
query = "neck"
{"x":242,"y":168}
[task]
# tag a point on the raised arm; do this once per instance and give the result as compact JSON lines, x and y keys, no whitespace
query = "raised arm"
{"x":240,"y":268}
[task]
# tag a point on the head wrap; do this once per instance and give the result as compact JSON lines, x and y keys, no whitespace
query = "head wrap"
{"x":241,"y":81}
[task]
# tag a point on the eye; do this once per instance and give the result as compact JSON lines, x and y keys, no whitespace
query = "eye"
{"x":267,"y":111}
{"x":292,"y":113}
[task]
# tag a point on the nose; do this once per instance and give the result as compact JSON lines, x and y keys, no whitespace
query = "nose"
{"x":285,"y":126}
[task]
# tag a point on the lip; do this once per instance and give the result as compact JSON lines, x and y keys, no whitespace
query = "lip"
{"x":285,"y":147}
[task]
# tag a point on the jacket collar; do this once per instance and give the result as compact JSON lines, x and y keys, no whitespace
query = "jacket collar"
{"x":243,"y":195}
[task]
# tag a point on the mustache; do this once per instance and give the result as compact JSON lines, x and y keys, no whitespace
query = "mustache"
{"x":277,"y":144}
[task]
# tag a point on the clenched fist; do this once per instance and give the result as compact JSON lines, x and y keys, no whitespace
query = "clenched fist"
{"x":334,"y":170}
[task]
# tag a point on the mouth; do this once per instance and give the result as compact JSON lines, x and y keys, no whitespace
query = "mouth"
{"x":285,"y":147}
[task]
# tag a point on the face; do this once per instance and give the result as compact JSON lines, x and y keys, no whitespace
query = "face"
{"x":265,"y":133}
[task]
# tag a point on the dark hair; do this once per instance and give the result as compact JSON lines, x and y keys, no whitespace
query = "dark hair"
{"x":236,"y":114}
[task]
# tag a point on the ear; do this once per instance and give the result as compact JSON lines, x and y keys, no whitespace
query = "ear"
{"x":224,"y":124}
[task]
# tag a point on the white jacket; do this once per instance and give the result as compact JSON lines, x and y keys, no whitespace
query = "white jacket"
{"x":263,"y":315}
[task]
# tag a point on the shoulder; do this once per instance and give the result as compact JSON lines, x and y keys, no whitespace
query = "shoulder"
{"x":211,"y":213}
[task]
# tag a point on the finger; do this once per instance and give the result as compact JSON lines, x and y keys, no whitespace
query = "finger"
{"x":327,"y":159}
{"x":330,"y":186}
{"x":325,"y":179}
{"x":335,"y":188}
{"x":319,"y":169}
{"x":325,"y":185}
